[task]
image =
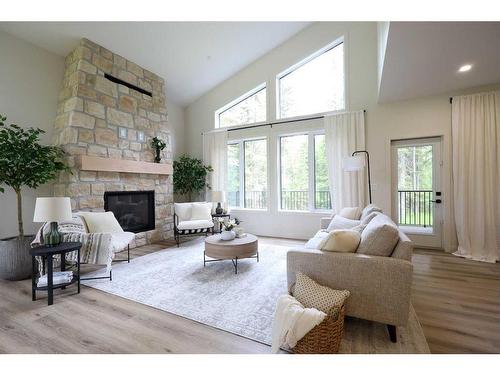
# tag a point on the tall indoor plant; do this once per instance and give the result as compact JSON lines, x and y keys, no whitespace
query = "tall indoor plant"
{"x":190,"y":176}
{"x":23,"y":162}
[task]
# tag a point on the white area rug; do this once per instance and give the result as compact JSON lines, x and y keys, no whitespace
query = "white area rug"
{"x":175,"y":280}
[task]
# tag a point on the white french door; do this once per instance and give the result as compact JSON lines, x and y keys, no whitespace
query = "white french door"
{"x":416,"y":189}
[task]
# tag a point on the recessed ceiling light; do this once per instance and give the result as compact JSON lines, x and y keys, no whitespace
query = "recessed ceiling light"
{"x":465,"y":68}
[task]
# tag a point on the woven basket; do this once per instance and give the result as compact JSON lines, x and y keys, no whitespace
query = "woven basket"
{"x":325,"y":338}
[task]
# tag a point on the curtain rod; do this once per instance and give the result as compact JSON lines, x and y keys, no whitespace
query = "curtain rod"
{"x":272,"y":123}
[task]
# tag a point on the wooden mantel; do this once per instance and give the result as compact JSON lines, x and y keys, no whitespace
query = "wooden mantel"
{"x":96,"y":163}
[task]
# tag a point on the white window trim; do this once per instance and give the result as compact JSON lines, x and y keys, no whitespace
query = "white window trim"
{"x":335,"y":43}
{"x":238,"y":101}
{"x":311,"y":207}
{"x":241,"y":143}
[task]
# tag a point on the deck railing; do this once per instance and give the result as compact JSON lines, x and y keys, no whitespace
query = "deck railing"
{"x":290,"y":199}
{"x":415,"y":208}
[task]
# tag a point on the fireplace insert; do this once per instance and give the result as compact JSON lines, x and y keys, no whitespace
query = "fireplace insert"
{"x":134,"y":210}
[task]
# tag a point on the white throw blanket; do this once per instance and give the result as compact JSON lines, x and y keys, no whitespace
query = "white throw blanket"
{"x":292,"y":321}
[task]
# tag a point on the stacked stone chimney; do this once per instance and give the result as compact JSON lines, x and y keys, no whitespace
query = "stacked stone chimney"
{"x":92,"y":109}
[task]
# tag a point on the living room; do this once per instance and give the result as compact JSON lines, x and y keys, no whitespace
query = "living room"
{"x":285,"y":186}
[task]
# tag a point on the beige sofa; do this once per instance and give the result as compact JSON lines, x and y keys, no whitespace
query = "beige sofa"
{"x":380,"y":286}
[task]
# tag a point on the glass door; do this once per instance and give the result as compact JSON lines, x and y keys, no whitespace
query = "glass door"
{"x":416,"y":189}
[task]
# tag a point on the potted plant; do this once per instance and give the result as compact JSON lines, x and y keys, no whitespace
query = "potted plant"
{"x":228,"y":227}
{"x":190,"y":176}
{"x":158,"y":144}
{"x":23,"y":162}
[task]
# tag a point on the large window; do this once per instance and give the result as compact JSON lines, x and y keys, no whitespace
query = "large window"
{"x":314,"y":86}
{"x":247,"y":174}
{"x":248,"y":109}
{"x":303,"y":173}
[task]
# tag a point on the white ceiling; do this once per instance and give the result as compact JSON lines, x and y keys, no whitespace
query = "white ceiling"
{"x":422,"y":58}
{"x":193,"y":57}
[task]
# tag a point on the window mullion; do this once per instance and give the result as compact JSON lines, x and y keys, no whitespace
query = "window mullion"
{"x":242,"y":173}
{"x":312,"y":172}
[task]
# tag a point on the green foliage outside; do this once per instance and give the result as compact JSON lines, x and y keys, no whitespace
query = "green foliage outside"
{"x":190,"y":176}
{"x":25,"y":162}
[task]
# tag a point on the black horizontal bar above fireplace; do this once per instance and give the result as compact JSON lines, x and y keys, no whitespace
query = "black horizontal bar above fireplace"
{"x":134,"y":210}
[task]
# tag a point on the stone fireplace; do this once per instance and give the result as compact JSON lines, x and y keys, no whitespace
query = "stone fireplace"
{"x":111,"y":108}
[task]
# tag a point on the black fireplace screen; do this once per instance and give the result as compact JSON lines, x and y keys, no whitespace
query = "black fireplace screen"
{"x":134,"y":210}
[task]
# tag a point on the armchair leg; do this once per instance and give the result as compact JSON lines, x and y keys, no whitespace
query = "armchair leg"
{"x":128,"y":253}
{"x":392,"y":332}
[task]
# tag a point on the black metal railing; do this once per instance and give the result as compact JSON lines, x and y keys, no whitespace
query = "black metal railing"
{"x":415,"y":208}
{"x":295,"y":200}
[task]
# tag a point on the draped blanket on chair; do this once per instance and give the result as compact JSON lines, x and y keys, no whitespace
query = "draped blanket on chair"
{"x":476,"y":175}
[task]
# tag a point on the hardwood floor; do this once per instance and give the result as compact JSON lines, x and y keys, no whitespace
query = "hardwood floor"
{"x":456,"y":300}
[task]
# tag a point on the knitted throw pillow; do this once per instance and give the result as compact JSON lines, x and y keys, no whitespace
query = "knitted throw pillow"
{"x":310,"y":294}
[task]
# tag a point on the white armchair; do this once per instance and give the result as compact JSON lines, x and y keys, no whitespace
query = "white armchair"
{"x":192,"y":218}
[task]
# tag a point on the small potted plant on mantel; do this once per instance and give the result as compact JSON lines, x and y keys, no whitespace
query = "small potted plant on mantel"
{"x":23,"y":162}
{"x":159,"y":145}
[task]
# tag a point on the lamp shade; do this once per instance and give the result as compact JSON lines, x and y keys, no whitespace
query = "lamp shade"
{"x":218,"y":196}
{"x":52,"y":209}
{"x":353,"y":163}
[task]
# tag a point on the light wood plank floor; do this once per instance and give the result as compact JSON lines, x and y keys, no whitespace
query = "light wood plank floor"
{"x":457,"y":302}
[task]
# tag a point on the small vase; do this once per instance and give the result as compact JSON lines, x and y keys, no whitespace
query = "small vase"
{"x":157,"y":157}
{"x":227,"y":235}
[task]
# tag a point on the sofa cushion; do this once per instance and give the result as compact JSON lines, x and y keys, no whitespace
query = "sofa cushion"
{"x":201,"y":211}
{"x":195,"y":224}
{"x":369,"y":209}
{"x":352,"y":213}
{"x":310,"y":294}
{"x":341,"y":241}
{"x":101,"y":222}
{"x":365,"y":220}
{"x":339,"y":222}
{"x":379,"y":237}
{"x":183,"y":211}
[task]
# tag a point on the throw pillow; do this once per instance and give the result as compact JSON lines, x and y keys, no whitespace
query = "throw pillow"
{"x":341,"y":241}
{"x":352,"y":213}
{"x":201,"y":211}
{"x":365,"y":220}
{"x":314,"y":242}
{"x":369,"y":209}
{"x":101,"y":222}
{"x":379,"y":237}
{"x":339,"y":222}
{"x":310,"y":294}
{"x":183,"y":211}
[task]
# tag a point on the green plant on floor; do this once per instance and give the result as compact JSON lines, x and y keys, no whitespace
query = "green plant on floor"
{"x":190,"y":176}
{"x":25,"y":162}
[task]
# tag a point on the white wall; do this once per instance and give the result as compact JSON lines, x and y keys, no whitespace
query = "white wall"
{"x":177,"y":128}
{"x":423,"y":117}
{"x":30,"y":78}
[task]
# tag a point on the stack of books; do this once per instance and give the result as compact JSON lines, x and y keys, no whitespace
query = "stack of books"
{"x":61,"y":277}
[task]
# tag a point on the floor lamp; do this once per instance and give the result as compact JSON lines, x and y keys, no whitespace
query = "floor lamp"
{"x":355,"y":163}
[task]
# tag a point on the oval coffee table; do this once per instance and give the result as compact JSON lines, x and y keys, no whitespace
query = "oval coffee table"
{"x":239,"y":248}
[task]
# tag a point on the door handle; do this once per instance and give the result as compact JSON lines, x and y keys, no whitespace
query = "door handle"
{"x":437,"y":201}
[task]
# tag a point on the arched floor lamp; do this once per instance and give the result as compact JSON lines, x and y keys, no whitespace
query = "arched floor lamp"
{"x":355,"y":163}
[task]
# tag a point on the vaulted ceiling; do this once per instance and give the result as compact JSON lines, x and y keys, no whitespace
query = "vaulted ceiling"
{"x":193,"y":57}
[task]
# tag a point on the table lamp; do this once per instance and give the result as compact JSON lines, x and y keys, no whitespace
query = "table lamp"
{"x":52,"y":210}
{"x":218,"y":196}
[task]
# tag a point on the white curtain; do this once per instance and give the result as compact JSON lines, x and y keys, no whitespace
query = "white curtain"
{"x":215,"y":155}
{"x":344,"y":134}
{"x":476,"y":175}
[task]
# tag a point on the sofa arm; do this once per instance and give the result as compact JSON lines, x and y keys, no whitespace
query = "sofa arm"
{"x":325,"y":222}
{"x":380,"y":286}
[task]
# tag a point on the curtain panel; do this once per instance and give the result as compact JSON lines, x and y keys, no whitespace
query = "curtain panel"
{"x":215,"y":155}
{"x":344,"y":134}
{"x":476,"y":175}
